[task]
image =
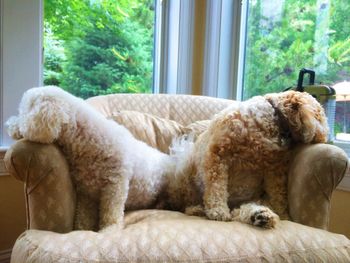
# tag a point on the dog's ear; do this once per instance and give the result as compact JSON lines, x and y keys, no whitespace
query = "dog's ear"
{"x":12,"y":125}
{"x":42,"y":116}
{"x":305,"y":124}
{"x":306,"y":118}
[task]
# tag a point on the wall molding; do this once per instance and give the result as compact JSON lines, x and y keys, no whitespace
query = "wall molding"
{"x":5,"y":256}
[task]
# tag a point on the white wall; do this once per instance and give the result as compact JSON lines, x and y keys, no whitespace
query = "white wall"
{"x":21,"y":55}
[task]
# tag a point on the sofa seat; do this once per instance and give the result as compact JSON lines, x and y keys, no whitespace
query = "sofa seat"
{"x":166,"y":236}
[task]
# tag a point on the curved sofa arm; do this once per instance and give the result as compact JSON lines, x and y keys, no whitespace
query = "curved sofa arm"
{"x":315,"y":172}
{"x":49,"y":191}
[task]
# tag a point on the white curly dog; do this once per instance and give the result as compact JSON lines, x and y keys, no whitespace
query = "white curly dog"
{"x":111,"y":169}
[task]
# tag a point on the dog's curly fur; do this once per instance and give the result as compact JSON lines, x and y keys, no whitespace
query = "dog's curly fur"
{"x":111,"y":169}
{"x":244,"y":156}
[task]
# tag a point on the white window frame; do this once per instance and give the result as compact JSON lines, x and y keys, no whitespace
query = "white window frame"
{"x":173,"y":46}
{"x":223,"y":59}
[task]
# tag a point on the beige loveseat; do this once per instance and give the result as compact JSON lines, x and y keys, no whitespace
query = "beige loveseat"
{"x":165,"y":236}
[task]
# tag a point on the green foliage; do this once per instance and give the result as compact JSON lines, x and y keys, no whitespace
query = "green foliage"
{"x":306,"y":34}
{"x":99,"y":47}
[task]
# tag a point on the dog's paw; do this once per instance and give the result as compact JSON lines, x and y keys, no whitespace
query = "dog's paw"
{"x":264,"y":218}
{"x":219,"y":214}
{"x":258,"y":215}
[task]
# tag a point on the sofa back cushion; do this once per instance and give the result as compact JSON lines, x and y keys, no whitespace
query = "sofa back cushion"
{"x":183,"y":109}
{"x":155,"y":131}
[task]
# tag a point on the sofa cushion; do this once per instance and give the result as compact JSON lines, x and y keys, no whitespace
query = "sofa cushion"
{"x":165,"y":236}
{"x":183,"y":109}
{"x":155,"y":131}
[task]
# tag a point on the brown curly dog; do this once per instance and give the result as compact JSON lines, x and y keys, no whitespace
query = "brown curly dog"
{"x":240,"y":162}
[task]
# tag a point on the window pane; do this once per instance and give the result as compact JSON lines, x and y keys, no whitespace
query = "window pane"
{"x":95,"y":47}
{"x":287,"y":35}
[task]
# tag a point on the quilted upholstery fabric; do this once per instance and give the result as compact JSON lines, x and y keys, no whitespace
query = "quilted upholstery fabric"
{"x":49,"y":191}
{"x":164,"y":236}
{"x":155,"y":131}
{"x":184,"y":109}
{"x":310,"y":195}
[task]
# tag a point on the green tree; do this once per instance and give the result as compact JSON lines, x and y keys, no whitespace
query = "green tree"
{"x":107,"y":46}
{"x":278,"y":48}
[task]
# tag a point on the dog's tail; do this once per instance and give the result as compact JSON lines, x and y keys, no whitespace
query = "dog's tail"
{"x":181,"y":151}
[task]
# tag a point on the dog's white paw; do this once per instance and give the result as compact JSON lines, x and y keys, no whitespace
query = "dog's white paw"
{"x":257,"y":215}
{"x":219,"y":214}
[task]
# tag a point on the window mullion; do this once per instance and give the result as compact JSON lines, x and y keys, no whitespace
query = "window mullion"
{"x":185,"y":54}
{"x":212,"y":48}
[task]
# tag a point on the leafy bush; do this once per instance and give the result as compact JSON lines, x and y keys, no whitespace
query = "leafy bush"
{"x":99,"y":47}
{"x":311,"y":34}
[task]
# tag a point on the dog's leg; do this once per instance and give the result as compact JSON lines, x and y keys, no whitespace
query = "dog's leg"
{"x":196,"y":210}
{"x":215,"y":188}
{"x":86,"y":217}
{"x":275,"y":186}
{"x":255,"y":214}
{"x":112,"y":202}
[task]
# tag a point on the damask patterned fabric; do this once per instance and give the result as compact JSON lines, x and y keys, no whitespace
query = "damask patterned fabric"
{"x":164,"y":236}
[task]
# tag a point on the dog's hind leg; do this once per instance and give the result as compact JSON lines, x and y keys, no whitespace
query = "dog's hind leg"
{"x":86,"y":216}
{"x":215,"y":188}
{"x":255,"y":214}
{"x":112,"y":202}
{"x":275,"y":186}
{"x":196,"y":210}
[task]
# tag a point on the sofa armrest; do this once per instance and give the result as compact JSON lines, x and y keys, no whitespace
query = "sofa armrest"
{"x":315,"y":172}
{"x":49,"y":191}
